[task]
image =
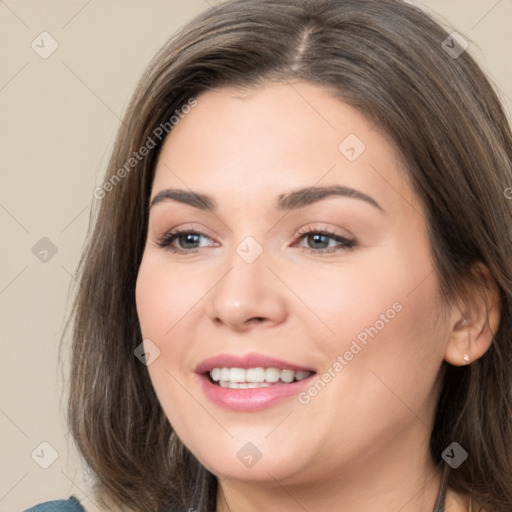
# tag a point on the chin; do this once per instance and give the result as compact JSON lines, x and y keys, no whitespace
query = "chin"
{"x":250,"y":462}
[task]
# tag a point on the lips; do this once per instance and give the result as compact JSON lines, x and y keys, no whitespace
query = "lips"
{"x":250,"y":399}
{"x":251,"y":360}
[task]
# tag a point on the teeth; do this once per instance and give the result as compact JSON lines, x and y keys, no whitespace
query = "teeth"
{"x":255,"y":375}
{"x":272,"y":374}
{"x":302,"y":375}
{"x":287,"y":375}
{"x":241,"y":378}
{"x":237,"y":375}
{"x":245,"y":385}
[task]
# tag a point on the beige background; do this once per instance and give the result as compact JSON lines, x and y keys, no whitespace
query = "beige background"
{"x":59,"y":117}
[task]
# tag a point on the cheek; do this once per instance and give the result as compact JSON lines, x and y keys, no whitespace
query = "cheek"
{"x":150,"y":301}
{"x":164,"y":297}
{"x":387,"y":319}
{"x":161,"y":301}
{"x":386,"y":290}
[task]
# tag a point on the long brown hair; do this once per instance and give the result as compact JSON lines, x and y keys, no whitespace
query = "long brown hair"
{"x":388,"y":59}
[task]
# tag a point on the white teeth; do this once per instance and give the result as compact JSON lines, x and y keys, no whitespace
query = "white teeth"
{"x":272,"y":374}
{"x":237,"y":375}
{"x":287,"y":375}
{"x":245,"y":385}
{"x":241,"y":378}
{"x":302,"y":375}
{"x":255,"y":374}
{"x":215,"y":373}
{"x":257,"y":384}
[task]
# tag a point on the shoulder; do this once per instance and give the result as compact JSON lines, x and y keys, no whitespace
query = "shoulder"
{"x":69,"y":505}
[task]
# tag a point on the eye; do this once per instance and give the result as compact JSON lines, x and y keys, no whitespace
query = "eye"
{"x":322,"y":237}
{"x":187,"y":238}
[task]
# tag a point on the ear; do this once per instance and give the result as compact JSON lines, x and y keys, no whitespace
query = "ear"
{"x":476,"y":321}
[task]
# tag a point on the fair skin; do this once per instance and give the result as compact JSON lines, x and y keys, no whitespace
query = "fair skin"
{"x":363,"y":440}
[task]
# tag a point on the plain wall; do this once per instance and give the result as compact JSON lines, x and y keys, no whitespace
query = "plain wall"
{"x":59,"y":117}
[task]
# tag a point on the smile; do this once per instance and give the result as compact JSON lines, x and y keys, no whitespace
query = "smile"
{"x":244,"y":378}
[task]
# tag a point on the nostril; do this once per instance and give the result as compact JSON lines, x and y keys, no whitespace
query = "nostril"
{"x":257,"y":319}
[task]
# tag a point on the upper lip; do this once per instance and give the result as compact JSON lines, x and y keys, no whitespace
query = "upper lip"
{"x":251,"y":360}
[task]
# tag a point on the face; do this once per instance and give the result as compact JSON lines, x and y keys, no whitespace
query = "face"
{"x":339,"y":284}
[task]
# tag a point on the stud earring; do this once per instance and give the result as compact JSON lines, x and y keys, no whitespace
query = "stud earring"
{"x":465,"y":357}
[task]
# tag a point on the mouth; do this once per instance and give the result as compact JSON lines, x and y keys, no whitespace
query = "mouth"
{"x":251,"y":378}
{"x":251,"y":382}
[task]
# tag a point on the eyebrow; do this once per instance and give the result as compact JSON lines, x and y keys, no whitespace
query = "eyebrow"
{"x":290,"y":201}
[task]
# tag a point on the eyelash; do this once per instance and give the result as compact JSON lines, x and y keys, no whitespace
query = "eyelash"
{"x":346,"y":244}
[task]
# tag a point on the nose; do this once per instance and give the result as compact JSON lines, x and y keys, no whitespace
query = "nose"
{"x":248,"y":294}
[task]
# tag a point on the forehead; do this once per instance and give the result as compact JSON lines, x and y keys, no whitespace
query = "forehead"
{"x":250,"y":143}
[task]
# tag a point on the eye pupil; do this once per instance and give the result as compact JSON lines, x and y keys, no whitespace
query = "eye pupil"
{"x":188,"y":237}
{"x":317,"y":236}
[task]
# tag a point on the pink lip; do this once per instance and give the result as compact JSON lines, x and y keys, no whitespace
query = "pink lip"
{"x":252,"y":360}
{"x":252,"y":399}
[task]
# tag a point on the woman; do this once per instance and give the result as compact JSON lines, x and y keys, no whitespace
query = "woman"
{"x":256,"y":369}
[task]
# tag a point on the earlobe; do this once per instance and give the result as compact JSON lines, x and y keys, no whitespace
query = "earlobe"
{"x":458,"y":349}
{"x":476,"y":323}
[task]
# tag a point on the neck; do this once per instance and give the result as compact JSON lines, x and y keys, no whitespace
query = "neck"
{"x":400,"y":479}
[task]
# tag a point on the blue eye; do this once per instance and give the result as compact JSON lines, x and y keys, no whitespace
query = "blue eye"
{"x":187,"y":240}
{"x":186,"y":235}
{"x":324,"y":237}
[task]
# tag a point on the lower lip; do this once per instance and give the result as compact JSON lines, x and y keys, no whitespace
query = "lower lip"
{"x":252,"y":399}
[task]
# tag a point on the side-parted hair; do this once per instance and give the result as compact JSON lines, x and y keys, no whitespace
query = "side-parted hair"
{"x":388,"y":59}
